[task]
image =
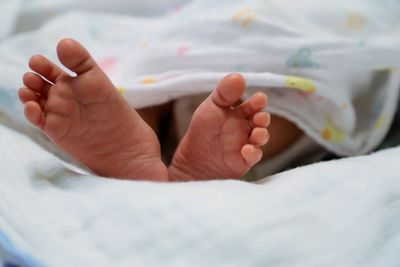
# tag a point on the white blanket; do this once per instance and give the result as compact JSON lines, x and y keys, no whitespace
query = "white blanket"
{"x":339,"y":213}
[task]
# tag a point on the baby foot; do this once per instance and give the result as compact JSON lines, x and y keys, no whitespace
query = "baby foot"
{"x":223,"y":141}
{"x":86,"y":116}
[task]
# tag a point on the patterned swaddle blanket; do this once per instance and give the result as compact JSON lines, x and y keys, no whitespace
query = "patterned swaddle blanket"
{"x":332,"y":68}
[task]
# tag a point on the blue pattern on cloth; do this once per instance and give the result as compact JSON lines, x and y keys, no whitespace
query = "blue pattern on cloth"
{"x":7,"y":264}
{"x":12,"y":256}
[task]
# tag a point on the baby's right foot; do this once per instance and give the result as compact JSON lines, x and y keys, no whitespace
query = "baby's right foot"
{"x":223,"y":140}
{"x":87,"y":117}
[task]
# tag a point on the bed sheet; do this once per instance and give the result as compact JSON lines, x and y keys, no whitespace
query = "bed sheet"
{"x":338,"y":213}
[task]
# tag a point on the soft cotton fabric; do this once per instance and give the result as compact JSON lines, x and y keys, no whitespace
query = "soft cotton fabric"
{"x":339,"y":213}
{"x":332,"y":68}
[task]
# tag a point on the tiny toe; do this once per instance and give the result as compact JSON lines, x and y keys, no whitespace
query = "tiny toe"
{"x":254,"y":104}
{"x":251,"y":154}
{"x":46,"y":68}
{"x":229,"y":90}
{"x":74,"y":56}
{"x":262,"y":119}
{"x":26,"y":95}
{"x":34,"y":114}
{"x":259,"y":137}
{"x":36,"y":83}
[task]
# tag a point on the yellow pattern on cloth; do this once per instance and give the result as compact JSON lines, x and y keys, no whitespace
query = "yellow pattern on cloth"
{"x":245,"y":17}
{"x":302,"y":84}
{"x":332,"y":133}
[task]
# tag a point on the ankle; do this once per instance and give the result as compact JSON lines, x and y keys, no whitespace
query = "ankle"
{"x":139,"y":169}
{"x":184,"y":171}
{"x":155,"y":171}
{"x":177,"y":174}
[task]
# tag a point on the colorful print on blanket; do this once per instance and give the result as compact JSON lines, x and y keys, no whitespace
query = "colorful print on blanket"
{"x":335,"y":74}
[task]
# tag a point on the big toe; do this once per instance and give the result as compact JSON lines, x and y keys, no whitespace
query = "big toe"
{"x":229,"y":91}
{"x":74,"y":56}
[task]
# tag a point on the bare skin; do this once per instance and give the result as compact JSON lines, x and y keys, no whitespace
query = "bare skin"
{"x":86,"y":117}
{"x":283,"y":134}
{"x":234,"y":136}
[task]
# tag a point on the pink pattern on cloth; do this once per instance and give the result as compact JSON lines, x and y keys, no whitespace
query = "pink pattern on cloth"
{"x":183,"y":50}
{"x":108,"y":65}
{"x":178,"y":8}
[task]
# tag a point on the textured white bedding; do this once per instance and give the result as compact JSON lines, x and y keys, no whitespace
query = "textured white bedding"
{"x":339,"y":213}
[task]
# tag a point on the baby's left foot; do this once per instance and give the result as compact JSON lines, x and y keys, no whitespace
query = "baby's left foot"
{"x":223,"y":141}
{"x":87,"y":117}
